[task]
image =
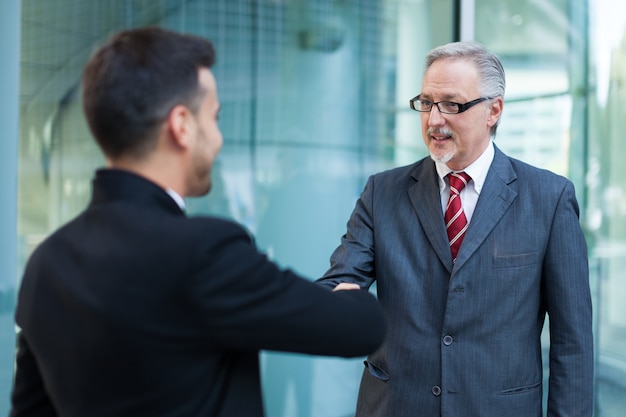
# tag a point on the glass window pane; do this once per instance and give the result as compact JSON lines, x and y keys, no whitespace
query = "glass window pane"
{"x":564,"y":111}
{"x":314,"y":98}
{"x":606,"y":206}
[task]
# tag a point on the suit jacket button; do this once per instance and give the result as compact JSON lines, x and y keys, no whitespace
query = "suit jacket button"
{"x":447,"y":340}
{"x":436,"y":390}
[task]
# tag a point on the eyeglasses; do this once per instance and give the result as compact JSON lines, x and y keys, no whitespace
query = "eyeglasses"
{"x":447,"y":107}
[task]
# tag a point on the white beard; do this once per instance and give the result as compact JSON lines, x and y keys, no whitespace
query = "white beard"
{"x":445,"y":158}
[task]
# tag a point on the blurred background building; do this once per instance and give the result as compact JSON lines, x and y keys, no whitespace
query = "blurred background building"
{"x":314,"y":100}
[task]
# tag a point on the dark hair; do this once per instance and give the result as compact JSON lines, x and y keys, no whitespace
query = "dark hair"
{"x":490,"y":69}
{"x":133,"y":81}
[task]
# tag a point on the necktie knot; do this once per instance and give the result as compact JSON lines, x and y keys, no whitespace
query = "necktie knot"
{"x":458,"y":181}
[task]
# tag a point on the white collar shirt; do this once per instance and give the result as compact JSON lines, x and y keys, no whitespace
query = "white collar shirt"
{"x":469,"y":195}
{"x":179,"y":200}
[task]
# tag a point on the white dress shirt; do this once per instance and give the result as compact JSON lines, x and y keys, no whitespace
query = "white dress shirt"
{"x":469,"y":195}
{"x":181,"y":202}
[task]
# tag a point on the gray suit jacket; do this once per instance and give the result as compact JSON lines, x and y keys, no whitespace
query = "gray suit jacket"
{"x":464,"y":337}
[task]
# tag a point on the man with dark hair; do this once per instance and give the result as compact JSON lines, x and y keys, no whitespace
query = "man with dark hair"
{"x":134,"y":309}
{"x":470,"y":249}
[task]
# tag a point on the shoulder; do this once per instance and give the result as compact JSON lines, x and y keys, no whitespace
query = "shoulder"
{"x":539,"y":177}
{"x":512,"y":170}
{"x":215,"y":228}
{"x":406,"y":174}
{"x":416,"y":168}
{"x":538,"y":187}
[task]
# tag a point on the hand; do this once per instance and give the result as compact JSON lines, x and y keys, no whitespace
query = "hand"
{"x":346,"y":286}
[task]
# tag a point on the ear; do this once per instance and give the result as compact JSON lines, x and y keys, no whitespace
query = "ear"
{"x":495,"y":111}
{"x":180,"y":124}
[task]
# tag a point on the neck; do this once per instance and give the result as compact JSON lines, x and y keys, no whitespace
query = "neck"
{"x":159,"y":170}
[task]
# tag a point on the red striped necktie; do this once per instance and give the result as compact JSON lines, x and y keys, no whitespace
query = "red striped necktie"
{"x":456,"y":222}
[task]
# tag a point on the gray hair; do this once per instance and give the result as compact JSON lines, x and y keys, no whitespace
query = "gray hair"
{"x":490,"y":69}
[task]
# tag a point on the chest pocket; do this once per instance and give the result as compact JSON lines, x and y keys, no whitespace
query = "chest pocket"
{"x":511,"y":261}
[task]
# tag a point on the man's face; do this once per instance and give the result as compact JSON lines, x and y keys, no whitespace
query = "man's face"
{"x":456,"y":139}
{"x":208,"y":137}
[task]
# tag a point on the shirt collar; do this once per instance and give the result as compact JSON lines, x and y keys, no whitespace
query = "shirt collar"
{"x":477,"y":169}
{"x":177,"y":198}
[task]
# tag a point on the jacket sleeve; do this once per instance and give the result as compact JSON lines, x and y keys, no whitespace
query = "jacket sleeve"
{"x":250,"y":303}
{"x":568,"y":303}
{"x":353,"y":260}
{"x":29,"y":396}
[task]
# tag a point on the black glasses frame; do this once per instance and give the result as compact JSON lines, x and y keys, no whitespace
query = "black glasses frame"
{"x":462,"y":106}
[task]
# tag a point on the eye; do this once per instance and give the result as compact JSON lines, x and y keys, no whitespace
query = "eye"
{"x":425,"y":104}
{"x":449,"y":106}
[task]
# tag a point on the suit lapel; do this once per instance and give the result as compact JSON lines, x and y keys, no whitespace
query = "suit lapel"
{"x":495,"y":199}
{"x":425,"y":198}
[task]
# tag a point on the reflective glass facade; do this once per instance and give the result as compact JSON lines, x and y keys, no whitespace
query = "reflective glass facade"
{"x":314,"y":100}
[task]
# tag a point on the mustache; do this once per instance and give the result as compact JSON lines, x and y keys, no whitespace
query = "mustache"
{"x":439,"y":131}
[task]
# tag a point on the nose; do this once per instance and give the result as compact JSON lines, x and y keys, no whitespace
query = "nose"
{"x":435,"y":117}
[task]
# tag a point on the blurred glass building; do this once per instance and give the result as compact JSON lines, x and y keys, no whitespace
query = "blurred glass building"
{"x":314,"y":100}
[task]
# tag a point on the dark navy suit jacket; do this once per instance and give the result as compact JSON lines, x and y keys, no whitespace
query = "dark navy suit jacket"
{"x":134,"y":309}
